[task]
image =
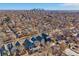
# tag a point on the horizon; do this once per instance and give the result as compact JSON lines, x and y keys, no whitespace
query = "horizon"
{"x":45,"y":6}
{"x":36,"y":9}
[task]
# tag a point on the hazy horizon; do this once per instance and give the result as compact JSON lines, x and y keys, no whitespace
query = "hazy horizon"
{"x":45,"y":6}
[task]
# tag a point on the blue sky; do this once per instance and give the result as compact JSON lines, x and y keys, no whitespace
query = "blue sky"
{"x":49,"y":6}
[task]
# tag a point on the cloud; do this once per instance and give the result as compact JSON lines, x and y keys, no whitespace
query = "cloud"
{"x":71,"y":4}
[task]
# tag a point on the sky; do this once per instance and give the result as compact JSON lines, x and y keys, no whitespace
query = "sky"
{"x":46,"y":6}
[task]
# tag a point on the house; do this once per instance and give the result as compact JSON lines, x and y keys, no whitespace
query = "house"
{"x":28,"y":44}
{"x":10,"y":46}
{"x":33,"y":39}
{"x":45,"y":37}
{"x":69,"y":52}
{"x":35,"y":49}
{"x":39,"y":38}
{"x":48,"y":39}
{"x":1,"y":51}
{"x":77,"y":36}
{"x":17,"y":44}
